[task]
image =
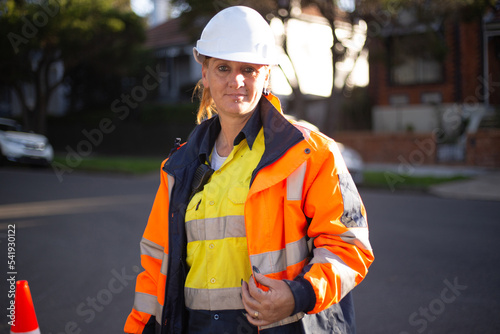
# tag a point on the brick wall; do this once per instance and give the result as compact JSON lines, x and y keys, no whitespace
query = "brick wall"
{"x":462,"y":69}
{"x":412,"y":148}
{"x":483,"y":148}
{"x":415,"y":149}
{"x":470,"y":63}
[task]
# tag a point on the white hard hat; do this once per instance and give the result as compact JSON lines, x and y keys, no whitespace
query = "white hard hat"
{"x":237,"y":33}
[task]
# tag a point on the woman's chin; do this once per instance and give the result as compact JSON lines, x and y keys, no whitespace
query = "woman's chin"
{"x":235,"y":108}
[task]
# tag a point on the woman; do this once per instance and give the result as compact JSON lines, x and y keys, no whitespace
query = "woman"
{"x":257,"y":225}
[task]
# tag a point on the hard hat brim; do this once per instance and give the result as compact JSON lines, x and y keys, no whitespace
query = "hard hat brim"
{"x":242,"y":57}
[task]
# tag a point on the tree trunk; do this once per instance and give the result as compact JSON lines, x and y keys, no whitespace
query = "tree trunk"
{"x":19,"y":92}
{"x":35,"y":118}
{"x":297,"y":107}
{"x":333,"y":117}
{"x":41,"y":113}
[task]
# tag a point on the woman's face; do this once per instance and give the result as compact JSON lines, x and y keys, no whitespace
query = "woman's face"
{"x":235,"y":87}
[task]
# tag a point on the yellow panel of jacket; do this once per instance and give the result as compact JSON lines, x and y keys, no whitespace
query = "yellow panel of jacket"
{"x":217,"y":254}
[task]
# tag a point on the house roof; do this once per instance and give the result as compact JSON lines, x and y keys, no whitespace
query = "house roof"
{"x":167,"y":34}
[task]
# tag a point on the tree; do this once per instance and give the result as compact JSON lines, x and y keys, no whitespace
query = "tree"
{"x":334,"y":14}
{"x":39,"y":38}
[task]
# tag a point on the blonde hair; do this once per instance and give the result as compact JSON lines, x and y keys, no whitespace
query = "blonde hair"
{"x":207,"y":105}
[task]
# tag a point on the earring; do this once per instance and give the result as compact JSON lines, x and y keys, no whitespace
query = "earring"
{"x":266,"y":91}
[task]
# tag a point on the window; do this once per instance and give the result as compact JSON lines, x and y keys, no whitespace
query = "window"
{"x":416,"y":59}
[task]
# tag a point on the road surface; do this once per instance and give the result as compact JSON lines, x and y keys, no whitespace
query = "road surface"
{"x":77,"y":244}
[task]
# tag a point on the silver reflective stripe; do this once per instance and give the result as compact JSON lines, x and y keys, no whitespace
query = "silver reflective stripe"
{"x":277,"y":261}
{"x":158,"y":313}
{"x":146,"y":303}
{"x":213,"y":299}
{"x":35,"y":331}
{"x":310,"y":244}
{"x":295,"y":182}
{"x":164,"y":264}
{"x":216,"y":228}
{"x":357,"y":236}
{"x":346,"y":274}
{"x":286,"y":321}
{"x":352,"y":215}
{"x":151,"y":249}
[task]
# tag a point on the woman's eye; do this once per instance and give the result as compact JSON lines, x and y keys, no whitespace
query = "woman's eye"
{"x":249,"y":70}
{"x":223,"y":68}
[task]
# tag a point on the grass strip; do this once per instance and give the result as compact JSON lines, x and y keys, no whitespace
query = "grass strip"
{"x":131,"y":165}
{"x":142,"y":165}
{"x":392,"y":181}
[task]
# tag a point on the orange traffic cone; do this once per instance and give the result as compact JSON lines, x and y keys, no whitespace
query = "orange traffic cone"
{"x":25,"y":320}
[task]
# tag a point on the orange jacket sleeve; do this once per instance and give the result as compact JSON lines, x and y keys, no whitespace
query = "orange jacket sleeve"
{"x":342,"y":251}
{"x":150,"y":284}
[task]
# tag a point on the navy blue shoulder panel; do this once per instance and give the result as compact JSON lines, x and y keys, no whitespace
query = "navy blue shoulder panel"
{"x":280,"y":135}
{"x":190,"y":151}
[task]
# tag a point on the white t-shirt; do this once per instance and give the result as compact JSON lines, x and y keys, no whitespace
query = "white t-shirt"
{"x":217,"y":160}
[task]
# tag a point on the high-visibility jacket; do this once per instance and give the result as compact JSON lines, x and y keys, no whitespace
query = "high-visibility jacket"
{"x":304,"y":221}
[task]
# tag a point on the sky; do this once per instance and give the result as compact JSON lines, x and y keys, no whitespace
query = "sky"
{"x":142,"y":7}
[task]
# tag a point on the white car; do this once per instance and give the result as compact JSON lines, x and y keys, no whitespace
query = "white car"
{"x":353,"y":161}
{"x":23,"y":147}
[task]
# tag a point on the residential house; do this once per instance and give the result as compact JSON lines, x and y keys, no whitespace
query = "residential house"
{"x":173,"y":51}
{"x":440,"y":78}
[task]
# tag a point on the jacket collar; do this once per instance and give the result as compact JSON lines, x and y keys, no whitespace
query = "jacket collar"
{"x":279,"y":134}
{"x":249,"y":132}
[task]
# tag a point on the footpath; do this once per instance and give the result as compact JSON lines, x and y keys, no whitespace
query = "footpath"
{"x":484,"y":183}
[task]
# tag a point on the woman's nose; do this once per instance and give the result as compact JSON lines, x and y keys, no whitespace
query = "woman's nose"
{"x":237,"y":80}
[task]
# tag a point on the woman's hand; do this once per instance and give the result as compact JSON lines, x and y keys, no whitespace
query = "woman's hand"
{"x":266,"y":307}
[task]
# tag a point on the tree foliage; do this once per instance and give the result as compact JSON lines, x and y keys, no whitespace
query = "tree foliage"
{"x":197,"y":13}
{"x":424,"y":9}
{"x":43,"y":42}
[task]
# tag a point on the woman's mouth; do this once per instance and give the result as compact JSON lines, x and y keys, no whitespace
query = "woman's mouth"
{"x":236,"y":97}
